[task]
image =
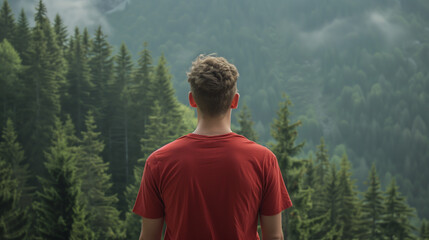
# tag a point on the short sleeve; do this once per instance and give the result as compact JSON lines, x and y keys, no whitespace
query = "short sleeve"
{"x":149,"y":203}
{"x":275,"y":197}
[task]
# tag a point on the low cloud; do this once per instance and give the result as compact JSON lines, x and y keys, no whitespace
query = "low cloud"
{"x":80,"y":13}
{"x":341,"y":30}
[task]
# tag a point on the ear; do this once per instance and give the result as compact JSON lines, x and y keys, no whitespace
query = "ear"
{"x":192,"y":100}
{"x":234,"y":102}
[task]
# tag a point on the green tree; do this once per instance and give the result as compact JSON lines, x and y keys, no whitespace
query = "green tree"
{"x":120,"y":112}
{"x":424,"y":230}
{"x":285,"y":134}
{"x":22,"y":38}
{"x":11,"y":152}
{"x":101,"y":69}
{"x":13,"y":218}
{"x":40,"y":101}
{"x":244,"y":119}
{"x":322,"y":159}
{"x":103,"y":217}
{"x":348,"y":203}
{"x":10,"y":68}
{"x":396,"y":220}
{"x":158,"y":135}
{"x":77,"y":101}
{"x":58,"y":207}
{"x":373,"y":208}
{"x":163,"y":92}
{"x":60,"y":32}
{"x":142,"y":85}
{"x":7,"y":22}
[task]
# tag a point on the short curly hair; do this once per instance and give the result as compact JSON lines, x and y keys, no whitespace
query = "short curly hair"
{"x":213,"y":83}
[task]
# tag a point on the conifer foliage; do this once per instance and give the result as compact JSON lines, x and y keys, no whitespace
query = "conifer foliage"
{"x":116,"y":114}
{"x":58,"y":207}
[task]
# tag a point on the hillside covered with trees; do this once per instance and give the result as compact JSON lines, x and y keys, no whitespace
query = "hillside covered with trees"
{"x":79,"y":117}
{"x":356,"y":71}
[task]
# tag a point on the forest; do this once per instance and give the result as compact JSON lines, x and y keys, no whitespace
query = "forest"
{"x":78,"y":119}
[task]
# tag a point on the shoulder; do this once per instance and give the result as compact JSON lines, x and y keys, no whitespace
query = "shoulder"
{"x":252,"y":148}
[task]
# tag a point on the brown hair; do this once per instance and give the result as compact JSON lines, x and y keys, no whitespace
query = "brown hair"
{"x":213,"y":83}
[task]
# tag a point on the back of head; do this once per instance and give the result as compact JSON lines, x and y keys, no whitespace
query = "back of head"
{"x":213,"y":83}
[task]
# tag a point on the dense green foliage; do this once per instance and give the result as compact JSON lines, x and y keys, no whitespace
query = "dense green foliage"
{"x":356,"y":71}
{"x":85,"y":120}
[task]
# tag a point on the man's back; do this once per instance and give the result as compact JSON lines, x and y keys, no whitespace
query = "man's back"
{"x":211,"y":187}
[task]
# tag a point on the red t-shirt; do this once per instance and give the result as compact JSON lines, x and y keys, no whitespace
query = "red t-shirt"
{"x":211,"y":187}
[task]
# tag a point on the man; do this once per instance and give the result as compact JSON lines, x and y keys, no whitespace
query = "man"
{"x":212,"y":184}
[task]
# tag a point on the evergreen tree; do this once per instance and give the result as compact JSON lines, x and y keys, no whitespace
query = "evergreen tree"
{"x":158,"y":135}
{"x":101,"y":69}
{"x":60,"y":32}
{"x":141,"y":101}
{"x":246,"y":123}
{"x":86,"y":42}
{"x":41,"y":14}
{"x":164,"y":93}
{"x":330,"y":202}
{"x":119,"y":106}
{"x":40,"y":103}
{"x":11,"y":152}
{"x":372,"y":208}
{"x":310,"y":174}
{"x":58,"y":208}
{"x":348,"y":203}
{"x":285,"y":149}
{"x":77,"y":101}
{"x":22,"y":38}
{"x":322,"y":159}
{"x":103,"y":216}
{"x":7,"y":22}
{"x":10,"y":68}
{"x":142,"y":86}
{"x":13,"y":219}
{"x":396,"y":223}
{"x":424,"y":230}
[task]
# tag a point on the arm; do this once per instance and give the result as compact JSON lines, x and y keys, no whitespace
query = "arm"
{"x":271,"y":227}
{"x":151,"y":229}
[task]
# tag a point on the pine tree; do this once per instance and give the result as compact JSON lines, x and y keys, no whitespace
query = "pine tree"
{"x":119,"y":110}
{"x":246,"y":123}
{"x":164,"y":93}
{"x":40,"y":96}
{"x":372,"y":207}
{"x":348,"y":203}
{"x":396,"y":223}
{"x":330,"y":202}
{"x":424,"y":230}
{"x":285,"y":149}
{"x":60,"y":32}
{"x":143,"y":86}
{"x":322,"y":159}
{"x":158,"y":135}
{"x":22,"y":37}
{"x":310,"y":174}
{"x":77,"y":101}
{"x":101,"y":69}
{"x":141,"y":101}
{"x":103,"y":216}
{"x":7,"y":22}
{"x":10,"y":68}
{"x":41,"y":14}
{"x":11,"y":152}
{"x":58,"y":207}
{"x":13,"y":219}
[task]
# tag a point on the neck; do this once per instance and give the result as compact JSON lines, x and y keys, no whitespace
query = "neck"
{"x":212,"y":126}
